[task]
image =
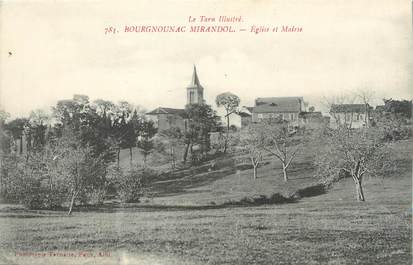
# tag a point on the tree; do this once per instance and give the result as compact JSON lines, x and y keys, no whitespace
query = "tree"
{"x":16,"y":129}
{"x":75,"y":167}
{"x":82,"y":118}
{"x":146,"y":132}
{"x":36,"y":128}
{"x":202,"y":120}
{"x":250,"y":142}
{"x":57,"y":175}
{"x":399,"y":108}
{"x":168,"y":142}
{"x":230,"y":102}
{"x":352,"y":152}
{"x":280,"y":142}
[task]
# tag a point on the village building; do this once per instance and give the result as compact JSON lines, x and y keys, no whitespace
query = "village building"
{"x":238,"y":119}
{"x":285,"y":108}
{"x":313,"y":119}
{"x":350,"y":115}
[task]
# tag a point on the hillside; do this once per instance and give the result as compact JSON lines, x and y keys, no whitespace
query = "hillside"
{"x":229,"y":180}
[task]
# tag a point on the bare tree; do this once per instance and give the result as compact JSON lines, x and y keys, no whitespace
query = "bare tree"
{"x":75,"y":169}
{"x":250,"y":142}
{"x":366,"y":96}
{"x":352,"y":152}
{"x":280,"y":142}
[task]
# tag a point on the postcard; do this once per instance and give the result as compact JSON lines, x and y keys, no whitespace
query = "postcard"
{"x":206,"y":132}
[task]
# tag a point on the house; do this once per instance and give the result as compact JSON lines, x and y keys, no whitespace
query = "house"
{"x":350,"y":115}
{"x":286,"y":108}
{"x":245,"y":114}
{"x":312,"y":120}
{"x":239,"y":119}
{"x":166,"y":118}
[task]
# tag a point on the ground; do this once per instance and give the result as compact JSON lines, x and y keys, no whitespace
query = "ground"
{"x":332,"y":228}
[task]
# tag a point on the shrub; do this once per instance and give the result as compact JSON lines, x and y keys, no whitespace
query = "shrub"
{"x":134,"y":184}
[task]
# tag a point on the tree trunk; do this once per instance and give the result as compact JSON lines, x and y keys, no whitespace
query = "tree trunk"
{"x":173,"y":158}
{"x":144,"y":160}
{"x":21,"y":144}
{"x":72,"y":202}
{"x":359,"y":192}
{"x":130,"y":156}
{"x":285,"y":173}
{"x":186,"y":152}
{"x":226,"y":138}
{"x":255,"y":171}
{"x":118,"y":157}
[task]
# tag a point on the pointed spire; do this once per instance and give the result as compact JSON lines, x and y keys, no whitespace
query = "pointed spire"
{"x":195,"y":79}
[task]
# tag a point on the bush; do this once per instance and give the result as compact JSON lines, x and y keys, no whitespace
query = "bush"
{"x":134,"y":184}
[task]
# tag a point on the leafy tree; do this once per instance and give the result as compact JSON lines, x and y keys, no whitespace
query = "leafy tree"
{"x":104,"y":107}
{"x":133,"y":184}
{"x":230,"y":102}
{"x":82,"y":118}
{"x":16,"y":128}
{"x":352,"y":152}
{"x":4,"y":137}
{"x":395,"y":119}
{"x":35,"y":130}
{"x":202,"y":120}
{"x":400,"y":108}
{"x":146,"y":131}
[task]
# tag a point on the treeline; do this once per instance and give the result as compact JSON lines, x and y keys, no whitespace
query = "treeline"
{"x":72,"y":156}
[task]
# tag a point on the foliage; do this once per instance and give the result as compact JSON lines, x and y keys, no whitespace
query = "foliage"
{"x":91,"y":128}
{"x":146,"y":131}
{"x":202,"y":120}
{"x":58,"y":175}
{"x":230,"y":102}
{"x":168,"y":142}
{"x":400,"y":108}
{"x":133,"y":184}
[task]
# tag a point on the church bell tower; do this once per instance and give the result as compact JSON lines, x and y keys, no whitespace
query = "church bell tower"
{"x":194,"y":92}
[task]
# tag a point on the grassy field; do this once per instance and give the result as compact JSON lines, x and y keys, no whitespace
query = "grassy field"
{"x":331,"y":228}
{"x":327,"y":229}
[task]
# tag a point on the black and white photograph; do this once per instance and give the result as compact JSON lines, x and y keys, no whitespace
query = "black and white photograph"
{"x":189,"y":132}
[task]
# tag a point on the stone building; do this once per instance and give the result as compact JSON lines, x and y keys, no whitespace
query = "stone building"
{"x":285,"y":108}
{"x":350,"y":115}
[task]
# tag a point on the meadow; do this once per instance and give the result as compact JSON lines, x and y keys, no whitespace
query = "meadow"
{"x":331,"y":228}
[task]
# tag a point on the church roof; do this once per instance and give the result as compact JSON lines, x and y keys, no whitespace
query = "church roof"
{"x":195,"y":80}
{"x":162,"y":110}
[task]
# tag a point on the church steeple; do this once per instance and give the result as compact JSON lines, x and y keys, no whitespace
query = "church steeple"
{"x":195,"y":92}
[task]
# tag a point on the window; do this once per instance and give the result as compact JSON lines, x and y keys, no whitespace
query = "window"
{"x":292,"y":116}
{"x":191,"y":97}
{"x":260,"y":116}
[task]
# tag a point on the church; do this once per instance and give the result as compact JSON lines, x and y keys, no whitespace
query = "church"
{"x":166,"y":118}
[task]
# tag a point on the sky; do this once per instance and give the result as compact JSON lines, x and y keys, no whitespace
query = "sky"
{"x":50,"y":50}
